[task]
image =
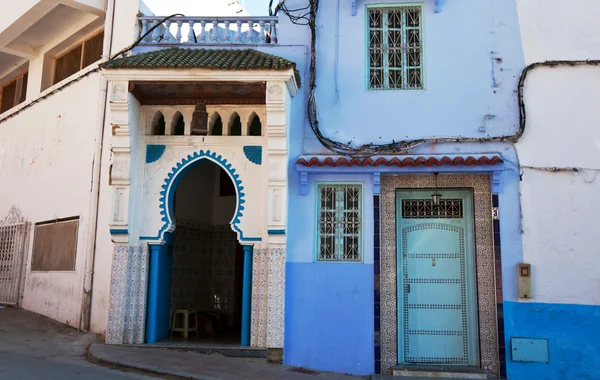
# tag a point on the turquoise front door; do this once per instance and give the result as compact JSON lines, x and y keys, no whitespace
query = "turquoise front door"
{"x":437,"y":321}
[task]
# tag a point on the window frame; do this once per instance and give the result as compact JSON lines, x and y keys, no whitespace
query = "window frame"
{"x":15,"y":80}
{"x":368,"y":44}
{"x":80,"y":43}
{"x":36,"y":260}
{"x":317,"y":245}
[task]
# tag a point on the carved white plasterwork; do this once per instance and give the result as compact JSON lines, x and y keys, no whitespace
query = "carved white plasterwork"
{"x":119,"y":92}
{"x":275,"y":92}
{"x":120,"y":179}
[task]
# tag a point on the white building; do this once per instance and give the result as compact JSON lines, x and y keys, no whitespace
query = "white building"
{"x":91,"y":155}
{"x":117,"y":203}
{"x":52,"y":107}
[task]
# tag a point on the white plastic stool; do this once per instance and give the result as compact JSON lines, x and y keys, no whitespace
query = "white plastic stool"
{"x":185,"y":329}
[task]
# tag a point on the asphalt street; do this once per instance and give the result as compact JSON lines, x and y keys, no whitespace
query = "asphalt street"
{"x":35,"y":347}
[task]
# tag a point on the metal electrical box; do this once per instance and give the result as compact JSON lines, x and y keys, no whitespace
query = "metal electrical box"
{"x":524,"y":276}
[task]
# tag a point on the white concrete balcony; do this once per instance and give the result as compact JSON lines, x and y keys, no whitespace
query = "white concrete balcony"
{"x":247,"y":30}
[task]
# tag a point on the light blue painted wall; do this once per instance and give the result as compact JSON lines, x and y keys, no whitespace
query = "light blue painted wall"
{"x":573,"y":333}
{"x":329,"y":317}
{"x":468,"y":46}
{"x":463,"y":82}
{"x":473,"y":58}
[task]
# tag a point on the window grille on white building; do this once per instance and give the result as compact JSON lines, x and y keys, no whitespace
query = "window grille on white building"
{"x":395,"y":49}
{"x":340,"y":214}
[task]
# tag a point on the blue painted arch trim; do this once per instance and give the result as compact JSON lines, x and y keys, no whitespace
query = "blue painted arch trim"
{"x":167,"y":194}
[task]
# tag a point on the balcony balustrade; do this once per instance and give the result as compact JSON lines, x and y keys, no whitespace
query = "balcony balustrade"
{"x":210,"y":30}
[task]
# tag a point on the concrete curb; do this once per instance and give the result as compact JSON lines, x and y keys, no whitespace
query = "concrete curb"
{"x":99,"y":358}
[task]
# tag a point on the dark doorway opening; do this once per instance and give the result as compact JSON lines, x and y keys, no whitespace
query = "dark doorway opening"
{"x":205,"y":262}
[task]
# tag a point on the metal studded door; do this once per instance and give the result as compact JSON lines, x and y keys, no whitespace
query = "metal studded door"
{"x":436,"y":281}
{"x":12,"y":239}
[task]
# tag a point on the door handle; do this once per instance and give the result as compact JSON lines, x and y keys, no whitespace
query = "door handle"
{"x":407,"y":288}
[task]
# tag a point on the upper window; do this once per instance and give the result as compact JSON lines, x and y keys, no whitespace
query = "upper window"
{"x":14,"y":93}
{"x":78,"y":58}
{"x":395,"y":49}
{"x":340,"y":213}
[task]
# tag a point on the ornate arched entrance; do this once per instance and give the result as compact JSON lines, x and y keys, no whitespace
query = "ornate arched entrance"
{"x":146,"y":164}
{"x":199,"y":264}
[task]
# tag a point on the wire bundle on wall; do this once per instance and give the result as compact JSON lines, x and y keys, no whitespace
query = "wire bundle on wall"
{"x":403,"y":146}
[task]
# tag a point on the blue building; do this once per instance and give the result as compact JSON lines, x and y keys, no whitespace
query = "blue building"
{"x":393,"y":252}
{"x":338,"y":184}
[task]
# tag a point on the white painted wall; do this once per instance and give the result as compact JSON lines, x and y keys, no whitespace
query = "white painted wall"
{"x":46,"y":155}
{"x":560,"y":233}
{"x":47,"y":152}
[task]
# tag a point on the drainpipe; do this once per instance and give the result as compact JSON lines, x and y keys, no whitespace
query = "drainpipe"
{"x":86,"y":302}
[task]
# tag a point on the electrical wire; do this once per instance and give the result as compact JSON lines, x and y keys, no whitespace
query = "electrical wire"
{"x":402,"y":146}
{"x":557,"y":169}
{"x":130,"y":47}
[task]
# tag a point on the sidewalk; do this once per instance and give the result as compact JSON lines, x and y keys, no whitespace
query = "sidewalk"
{"x":192,"y":365}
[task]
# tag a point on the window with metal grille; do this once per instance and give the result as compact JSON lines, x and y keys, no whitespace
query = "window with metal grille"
{"x":55,"y":245}
{"x":395,"y":49}
{"x":340,"y":213}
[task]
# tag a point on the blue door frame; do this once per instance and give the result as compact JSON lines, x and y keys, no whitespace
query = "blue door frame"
{"x":159,"y":292}
{"x":246,"y":296}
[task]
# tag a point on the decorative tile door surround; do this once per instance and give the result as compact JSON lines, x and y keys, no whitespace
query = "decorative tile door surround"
{"x":484,"y":259}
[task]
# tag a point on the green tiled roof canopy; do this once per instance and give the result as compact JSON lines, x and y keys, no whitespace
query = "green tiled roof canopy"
{"x":213,"y":59}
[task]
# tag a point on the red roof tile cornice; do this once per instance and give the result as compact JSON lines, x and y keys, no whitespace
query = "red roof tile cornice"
{"x":399,"y":162}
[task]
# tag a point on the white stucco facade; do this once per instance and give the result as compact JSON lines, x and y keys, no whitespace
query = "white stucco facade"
{"x":45,"y":167}
{"x":50,"y":142}
{"x":563,"y":113}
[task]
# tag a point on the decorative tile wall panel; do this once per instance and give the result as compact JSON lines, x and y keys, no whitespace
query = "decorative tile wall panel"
{"x":268,"y":297}
{"x":127,"y":306}
{"x":480,"y":183}
{"x":260,"y":270}
{"x":276,"y":298}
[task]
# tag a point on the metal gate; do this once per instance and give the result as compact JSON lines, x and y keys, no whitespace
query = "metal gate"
{"x":12,"y":244}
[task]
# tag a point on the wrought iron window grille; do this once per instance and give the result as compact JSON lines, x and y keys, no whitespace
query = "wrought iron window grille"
{"x":426,"y":209}
{"x":340,"y":222}
{"x":395,"y":49}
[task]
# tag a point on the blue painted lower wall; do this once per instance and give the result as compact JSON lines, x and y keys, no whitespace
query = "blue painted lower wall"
{"x":573,"y":333}
{"x":329,"y":317}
